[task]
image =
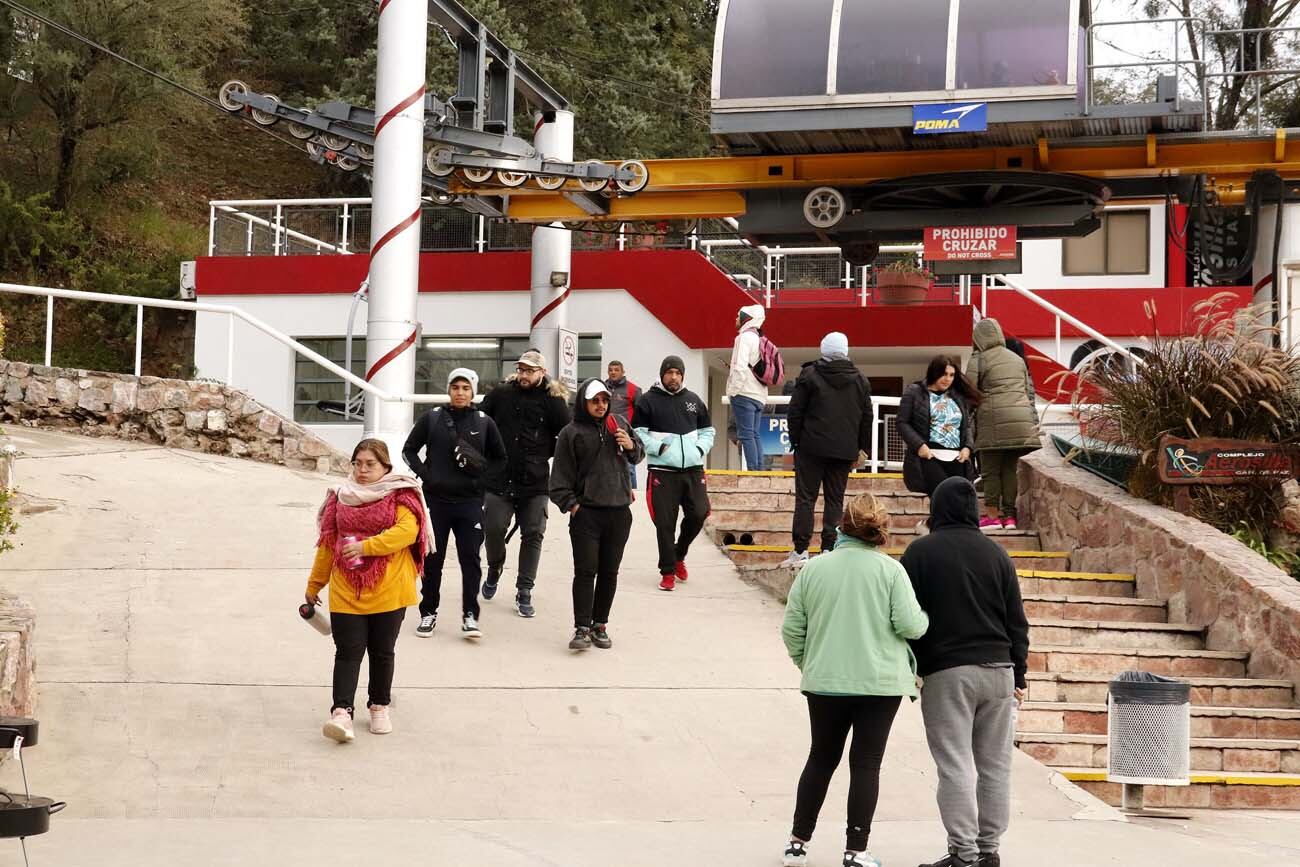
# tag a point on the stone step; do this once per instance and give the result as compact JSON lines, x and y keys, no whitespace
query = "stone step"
{"x":1206,"y":691}
{"x":1111,"y":661}
{"x":1268,"y":723}
{"x":726,"y":481}
{"x":1207,"y":754}
{"x":746,"y":556}
{"x":1101,"y":633}
{"x":1209,"y":790}
{"x":1111,"y":608}
{"x":900,"y":506}
{"x":761,"y":528}
{"x":1051,"y":582}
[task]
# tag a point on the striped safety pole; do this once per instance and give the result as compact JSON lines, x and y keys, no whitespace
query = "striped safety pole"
{"x":391,"y":323}
{"x":552,"y":247}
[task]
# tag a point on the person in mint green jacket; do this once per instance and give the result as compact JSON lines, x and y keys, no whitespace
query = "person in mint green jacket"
{"x":847,"y":622}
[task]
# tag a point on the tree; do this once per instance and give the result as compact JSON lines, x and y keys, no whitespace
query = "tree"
{"x":85,"y":91}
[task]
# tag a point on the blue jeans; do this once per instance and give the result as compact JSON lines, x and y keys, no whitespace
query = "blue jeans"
{"x":749,"y":414}
{"x":631,"y":472}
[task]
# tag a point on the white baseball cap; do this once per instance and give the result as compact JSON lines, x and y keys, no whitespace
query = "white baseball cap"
{"x":594,"y":388}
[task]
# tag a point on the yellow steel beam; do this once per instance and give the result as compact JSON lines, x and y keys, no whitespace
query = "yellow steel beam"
{"x":689,"y":188}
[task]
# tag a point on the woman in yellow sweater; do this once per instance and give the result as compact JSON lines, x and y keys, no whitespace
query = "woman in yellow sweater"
{"x":373,"y":535}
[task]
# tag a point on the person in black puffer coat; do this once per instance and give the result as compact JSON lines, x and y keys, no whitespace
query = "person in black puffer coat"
{"x":590,"y":481}
{"x":829,"y":422}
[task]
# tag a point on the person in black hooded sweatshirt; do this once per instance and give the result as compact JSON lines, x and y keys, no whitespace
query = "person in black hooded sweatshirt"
{"x":590,"y":481}
{"x":829,"y":422}
{"x":973,"y":661}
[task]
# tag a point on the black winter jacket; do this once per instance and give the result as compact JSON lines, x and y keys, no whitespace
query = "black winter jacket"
{"x":967,"y":584}
{"x":529,"y":420}
{"x":830,"y":411}
{"x":913,"y":423}
{"x":590,"y":469}
{"x":443,"y":480}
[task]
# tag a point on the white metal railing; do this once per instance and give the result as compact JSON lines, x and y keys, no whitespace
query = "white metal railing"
{"x":883,"y":430}
{"x":232,"y":314}
{"x":1007,"y":284}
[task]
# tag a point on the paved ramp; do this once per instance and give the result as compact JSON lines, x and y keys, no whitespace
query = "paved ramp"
{"x":181,"y":703}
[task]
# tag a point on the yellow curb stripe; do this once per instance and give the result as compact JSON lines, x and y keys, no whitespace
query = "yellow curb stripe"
{"x":1099,"y":776}
{"x":1027,"y":555}
{"x":1075,"y":576}
{"x":789,"y":474}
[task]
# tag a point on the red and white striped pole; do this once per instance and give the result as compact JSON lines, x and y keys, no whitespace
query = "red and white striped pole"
{"x":552,"y":249}
{"x":391,"y":321}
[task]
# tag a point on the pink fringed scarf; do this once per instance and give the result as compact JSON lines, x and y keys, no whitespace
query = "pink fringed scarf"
{"x":363,"y":511}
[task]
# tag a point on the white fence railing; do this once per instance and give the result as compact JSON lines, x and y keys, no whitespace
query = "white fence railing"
{"x":233,"y":314}
{"x":887,"y":447}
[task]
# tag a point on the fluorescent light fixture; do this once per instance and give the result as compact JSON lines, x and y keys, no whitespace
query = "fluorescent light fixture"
{"x":461,"y":344}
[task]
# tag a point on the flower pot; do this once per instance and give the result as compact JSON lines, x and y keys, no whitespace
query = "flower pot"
{"x":895,"y":288}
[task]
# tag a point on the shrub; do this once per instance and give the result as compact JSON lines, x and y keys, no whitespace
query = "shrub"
{"x":1227,"y":379}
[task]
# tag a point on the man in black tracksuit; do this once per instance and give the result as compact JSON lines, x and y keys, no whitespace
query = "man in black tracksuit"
{"x":529,"y":409}
{"x":973,"y":661}
{"x":454,"y":493}
{"x":829,"y":422}
{"x":590,"y":481}
{"x":673,"y":424}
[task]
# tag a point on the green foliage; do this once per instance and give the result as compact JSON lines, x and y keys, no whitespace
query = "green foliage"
{"x":1287,"y":561}
{"x":8,"y":526}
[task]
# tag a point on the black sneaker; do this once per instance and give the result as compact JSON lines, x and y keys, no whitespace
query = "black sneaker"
{"x":952,"y":860}
{"x":989,"y":859}
{"x":490,"y":583}
{"x":600,"y":637}
{"x":427,"y":622}
{"x":524,"y":603}
{"x":581,"y":639}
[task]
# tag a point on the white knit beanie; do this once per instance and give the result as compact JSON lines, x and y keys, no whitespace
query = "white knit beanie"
{"x":835,"y":346}
{"x":466,"y":374}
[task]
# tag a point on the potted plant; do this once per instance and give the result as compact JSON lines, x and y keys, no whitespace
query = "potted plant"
{"x":903,"y":281}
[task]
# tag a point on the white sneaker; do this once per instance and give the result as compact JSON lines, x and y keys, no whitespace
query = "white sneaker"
{"x":339,"y":727}
{"x":795,"y":560}
{"x":380,"y":722}
{"x":469,"y":628}
{"x":796,"y":854}
{"x":859,"y":859}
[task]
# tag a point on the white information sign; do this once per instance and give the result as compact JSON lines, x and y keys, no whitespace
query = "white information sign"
{"x":568,"y":362}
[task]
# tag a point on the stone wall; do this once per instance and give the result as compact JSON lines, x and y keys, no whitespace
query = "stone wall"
{"x":17,"y":664}
{"x":1207,"y":578}
{"x":197,"y":416}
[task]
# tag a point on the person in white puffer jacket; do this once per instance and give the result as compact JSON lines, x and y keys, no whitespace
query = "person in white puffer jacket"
{"x":748,"y":395}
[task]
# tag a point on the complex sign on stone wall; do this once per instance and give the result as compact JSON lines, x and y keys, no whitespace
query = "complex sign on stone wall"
{"x":1214,"y":461}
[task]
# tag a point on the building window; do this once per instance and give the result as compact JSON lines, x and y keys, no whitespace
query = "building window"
{"x":1121,"y":246}
{"x":492,"y":358}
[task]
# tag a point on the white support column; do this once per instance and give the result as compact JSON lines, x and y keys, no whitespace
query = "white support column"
{"x":552,"y":249}
{"x":391,"y":326}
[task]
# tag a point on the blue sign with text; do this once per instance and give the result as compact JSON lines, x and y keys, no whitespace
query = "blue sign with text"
{"x":950,"y":117}
{"x":774,"y":433}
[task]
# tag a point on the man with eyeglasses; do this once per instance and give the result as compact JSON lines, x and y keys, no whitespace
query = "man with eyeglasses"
{"x":530,"y":409}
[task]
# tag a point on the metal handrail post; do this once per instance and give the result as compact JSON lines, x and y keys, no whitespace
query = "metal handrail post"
{"x":212,"y":230}
{"x":49,"y":331}
{"x":139,"y":335}
{"x":347,"y":227}
{"x":279,"y":225}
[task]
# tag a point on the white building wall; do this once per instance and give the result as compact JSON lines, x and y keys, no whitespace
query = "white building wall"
{"x":264,"y":367}
{"x":1043,"y":260}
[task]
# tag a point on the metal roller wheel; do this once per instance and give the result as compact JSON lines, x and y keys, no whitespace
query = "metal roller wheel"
{"x":348,"y":164}
{"x":549,"y":182}
{"x":593,"y":185}
{"x":824,"y":207}
{"x":231,"y":87}
{"x":334,"y":142}
{"x":441,"y":198}
{"x":511,"y":179}
{"x":437,"y":162}
{"x":265,"y":118}
{"x":300,"y":130}
{"x":477,"y":175}
{"x":365,"y":151}
{"x":640,"y":176}
{"x":578,"y":225}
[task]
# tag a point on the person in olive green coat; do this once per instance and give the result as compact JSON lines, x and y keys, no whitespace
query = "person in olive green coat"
{"x":1006,"y":423}
{"x":847,"y":621}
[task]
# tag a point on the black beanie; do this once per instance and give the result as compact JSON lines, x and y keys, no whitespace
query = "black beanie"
{"x":672,"y":362}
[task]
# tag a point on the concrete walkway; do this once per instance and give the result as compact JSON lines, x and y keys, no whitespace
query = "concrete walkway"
{"x":181,"y":703}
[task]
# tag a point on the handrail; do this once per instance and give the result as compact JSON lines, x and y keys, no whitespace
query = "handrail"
{"x":281,"y":230}
{"x":878,"y":422}
{"x":140,"y":302}
{"x":1061,"y":316}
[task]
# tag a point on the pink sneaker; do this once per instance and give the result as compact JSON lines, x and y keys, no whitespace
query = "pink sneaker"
{"x":339,"y":727}
{"x":1009,"y":524}
{"x":987,"y":523}
{"x":380,"y":722}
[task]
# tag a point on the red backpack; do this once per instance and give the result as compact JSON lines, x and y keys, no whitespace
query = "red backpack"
{"x":770,"y":368}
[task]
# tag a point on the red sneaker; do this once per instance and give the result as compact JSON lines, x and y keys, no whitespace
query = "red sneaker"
{"x":668,"y":582}
{"x":680,"y":572}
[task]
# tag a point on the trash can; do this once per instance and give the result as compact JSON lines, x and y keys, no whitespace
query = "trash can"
{"x":1149,"y":724}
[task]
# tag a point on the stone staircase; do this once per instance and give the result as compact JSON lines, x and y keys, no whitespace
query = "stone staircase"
{"x":1085,"y":628}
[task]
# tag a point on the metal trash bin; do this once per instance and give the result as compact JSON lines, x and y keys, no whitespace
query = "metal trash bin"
{"x":1149,"y":727}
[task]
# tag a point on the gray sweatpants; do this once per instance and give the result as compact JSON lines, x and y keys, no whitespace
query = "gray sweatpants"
{"x":970,"y":721}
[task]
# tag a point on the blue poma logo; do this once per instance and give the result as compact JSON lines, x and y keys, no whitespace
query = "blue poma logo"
{"x":966,"y":117}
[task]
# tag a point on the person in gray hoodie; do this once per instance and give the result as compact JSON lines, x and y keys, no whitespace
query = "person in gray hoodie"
{"x":590,"y":481}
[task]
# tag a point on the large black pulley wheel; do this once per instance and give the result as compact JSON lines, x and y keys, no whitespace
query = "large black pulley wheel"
{"x":947,"y":191}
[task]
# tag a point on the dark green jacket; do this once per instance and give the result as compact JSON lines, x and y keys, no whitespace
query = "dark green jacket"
{"x":1008,"y":417}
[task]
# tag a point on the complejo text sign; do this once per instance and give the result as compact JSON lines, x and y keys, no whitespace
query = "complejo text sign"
{"x":947,"y":243}
{"x":1211,"y":461}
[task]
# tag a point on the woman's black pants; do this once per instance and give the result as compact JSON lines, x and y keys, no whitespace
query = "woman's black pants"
{"x":355,"y":635}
